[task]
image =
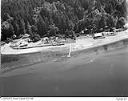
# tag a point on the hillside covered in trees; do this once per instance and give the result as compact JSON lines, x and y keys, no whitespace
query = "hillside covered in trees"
{"x":65,"y":18}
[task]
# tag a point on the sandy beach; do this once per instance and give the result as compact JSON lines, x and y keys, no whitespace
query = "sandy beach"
{"x":80,"y":44}
{"x":21,"y":58}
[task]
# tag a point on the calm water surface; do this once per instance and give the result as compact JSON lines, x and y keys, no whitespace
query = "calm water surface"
{"x":96,"y":75}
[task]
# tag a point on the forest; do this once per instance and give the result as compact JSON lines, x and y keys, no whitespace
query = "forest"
{"x":64,"y":18}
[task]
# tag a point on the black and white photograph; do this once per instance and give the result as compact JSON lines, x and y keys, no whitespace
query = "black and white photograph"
{"x":64,"y":48}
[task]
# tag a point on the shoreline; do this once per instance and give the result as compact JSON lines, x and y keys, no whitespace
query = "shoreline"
{"x":80,"y":44}
{"x":52,"y":56}
{"x":88,"y":55}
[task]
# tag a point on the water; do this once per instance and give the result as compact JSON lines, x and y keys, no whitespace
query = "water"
{"x":85,"y":75}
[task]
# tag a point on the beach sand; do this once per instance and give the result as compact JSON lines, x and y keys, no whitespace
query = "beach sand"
{"x":80,"y":44}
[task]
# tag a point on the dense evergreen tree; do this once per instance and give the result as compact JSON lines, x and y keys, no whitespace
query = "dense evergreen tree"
{"x":37,"y":17}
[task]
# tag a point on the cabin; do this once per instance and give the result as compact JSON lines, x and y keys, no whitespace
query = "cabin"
{"x":98,"y":35}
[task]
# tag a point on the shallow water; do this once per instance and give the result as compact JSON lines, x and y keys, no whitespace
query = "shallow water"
{"x":104,"y":74}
